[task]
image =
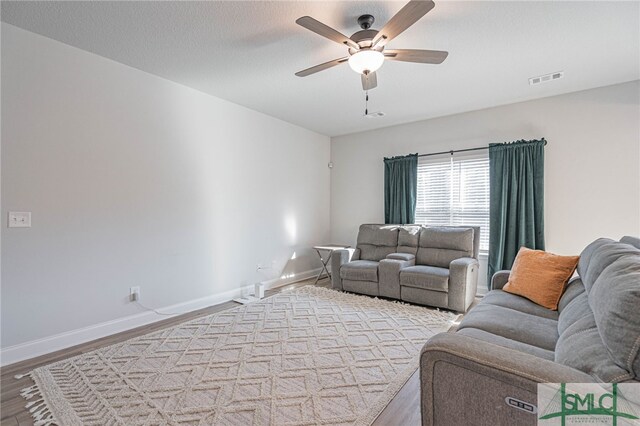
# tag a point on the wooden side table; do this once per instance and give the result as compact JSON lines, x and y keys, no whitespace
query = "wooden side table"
{"x":328,"y":248}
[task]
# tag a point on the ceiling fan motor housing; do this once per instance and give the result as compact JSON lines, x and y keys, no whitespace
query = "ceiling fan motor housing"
{"x":363,"y":38}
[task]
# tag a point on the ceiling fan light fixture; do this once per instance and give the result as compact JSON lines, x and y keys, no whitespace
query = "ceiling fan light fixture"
{"x":366,"y":61}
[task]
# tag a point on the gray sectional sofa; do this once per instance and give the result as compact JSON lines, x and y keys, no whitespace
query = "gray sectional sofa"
{"x":507,"y":344}
{"x":435,"y":266}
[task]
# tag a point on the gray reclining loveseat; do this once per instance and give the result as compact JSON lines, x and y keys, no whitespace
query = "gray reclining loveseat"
{"x":486,"y":373}
{"x":435,"y":266}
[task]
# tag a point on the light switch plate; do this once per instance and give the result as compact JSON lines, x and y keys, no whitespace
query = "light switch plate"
{"x":19,"y":219}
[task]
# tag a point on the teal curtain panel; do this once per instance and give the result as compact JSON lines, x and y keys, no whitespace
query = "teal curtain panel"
{"x":516,"y":201}
{"x":400,"y":189}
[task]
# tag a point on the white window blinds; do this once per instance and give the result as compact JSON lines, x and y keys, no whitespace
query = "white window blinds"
{"x":454,"y":190}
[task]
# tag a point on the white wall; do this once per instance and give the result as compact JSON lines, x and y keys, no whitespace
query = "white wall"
{"x":133,"y":180}
{"x":592,"y":177}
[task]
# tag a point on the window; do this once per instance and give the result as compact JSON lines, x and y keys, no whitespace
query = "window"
{"x":455,"y":191}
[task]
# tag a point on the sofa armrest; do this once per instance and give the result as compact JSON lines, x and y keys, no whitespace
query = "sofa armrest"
{"x":499,"y":279}
{"x":389,"y":276}
{"x":463,"y":283}
{"x":339,"y":258}
{"x":402,"y":256}
{"x":468,"y":381}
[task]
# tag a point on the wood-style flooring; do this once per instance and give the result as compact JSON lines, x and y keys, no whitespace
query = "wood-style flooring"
{"x":403,"y":410}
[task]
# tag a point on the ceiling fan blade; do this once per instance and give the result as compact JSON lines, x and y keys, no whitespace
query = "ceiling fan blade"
{"x":415,"y":55}
{"x":321,"y":67}
{"x":407,"y":16}
{"x":326,"y":31}
{"x":369,"y":81}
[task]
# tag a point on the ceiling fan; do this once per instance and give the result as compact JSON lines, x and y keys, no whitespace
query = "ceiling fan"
{"x":366,"y":47}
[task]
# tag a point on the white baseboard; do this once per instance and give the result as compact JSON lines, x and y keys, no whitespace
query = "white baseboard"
{"x":45,"y":345}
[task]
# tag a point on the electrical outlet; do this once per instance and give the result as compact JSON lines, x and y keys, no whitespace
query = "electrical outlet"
{"x":19,"y":220}
{"x":134,"y":294}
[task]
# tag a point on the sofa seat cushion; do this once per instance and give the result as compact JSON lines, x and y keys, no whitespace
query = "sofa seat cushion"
{"x":514,"y":325}
{"x":507,"y":343}
{"x":518,"y":303}
{"x":360,"y":270}
{"x":425,"y":277}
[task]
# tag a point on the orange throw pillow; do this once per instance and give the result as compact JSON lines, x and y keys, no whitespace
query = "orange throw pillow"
{"x":540,"y":276}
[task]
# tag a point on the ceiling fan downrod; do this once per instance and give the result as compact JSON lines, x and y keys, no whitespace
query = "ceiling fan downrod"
{"x":366,"y":21}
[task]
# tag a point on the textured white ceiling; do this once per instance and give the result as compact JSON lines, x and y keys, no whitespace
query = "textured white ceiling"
{"x":248,"y":51}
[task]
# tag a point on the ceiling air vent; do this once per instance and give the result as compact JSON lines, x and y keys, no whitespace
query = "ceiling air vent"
{"x":375,"y":114}
{"x":547,"y":77}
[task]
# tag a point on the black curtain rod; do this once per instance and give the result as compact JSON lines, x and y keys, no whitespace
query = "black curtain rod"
{"x":460,"y":150}
{"x":453,"y":151}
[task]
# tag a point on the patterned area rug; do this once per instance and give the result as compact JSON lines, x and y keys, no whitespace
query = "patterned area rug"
{"x":312,"y":356}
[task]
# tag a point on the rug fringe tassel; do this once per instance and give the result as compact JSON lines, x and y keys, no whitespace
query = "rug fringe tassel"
{"x":42,"y":416}
{"x":32,"y":403}
{"x":38,"y":408}
{"x":30,"y":392}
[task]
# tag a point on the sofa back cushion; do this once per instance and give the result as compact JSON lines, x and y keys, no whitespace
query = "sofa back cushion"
{"x":573,"y":312}
{"x":632,"y":241}
{"x":408,"y":237}
{"x":597,"y":256}
{"x":585,"y":257}
{"x":615,"y":300}
{"x":580,"y":346}
{"x":599,"y":323}
{"x":440,"y":245}
{"x":377,"y":241}
{"x":574,"y":288}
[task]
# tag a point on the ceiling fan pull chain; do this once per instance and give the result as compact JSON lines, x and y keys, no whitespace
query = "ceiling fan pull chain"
{"x":366,"y":102}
